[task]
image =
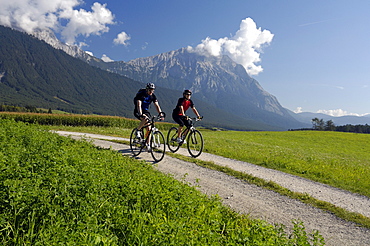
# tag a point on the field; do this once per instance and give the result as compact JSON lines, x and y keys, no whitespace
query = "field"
{"x":335,"y":158}
{"x":54,"y":190}
{"x":339,"y":159}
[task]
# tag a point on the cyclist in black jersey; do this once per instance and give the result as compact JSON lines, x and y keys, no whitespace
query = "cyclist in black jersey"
{"x":142,"y":101}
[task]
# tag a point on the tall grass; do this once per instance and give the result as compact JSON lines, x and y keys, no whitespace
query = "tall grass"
{"x":55,"y":190}
{"x":76,"y":120}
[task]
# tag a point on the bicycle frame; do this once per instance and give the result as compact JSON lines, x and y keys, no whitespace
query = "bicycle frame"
{"x":154,"y":139}
{"x":190,"y":128}
{"x":194,"y":137}
{"x":150,"y":124}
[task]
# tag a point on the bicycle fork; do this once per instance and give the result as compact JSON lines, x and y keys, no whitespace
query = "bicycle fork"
{"x":155,"y":138}
{"x":192,"y":137}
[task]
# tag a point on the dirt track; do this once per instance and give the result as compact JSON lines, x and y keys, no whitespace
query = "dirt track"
{"x":261,"y":203}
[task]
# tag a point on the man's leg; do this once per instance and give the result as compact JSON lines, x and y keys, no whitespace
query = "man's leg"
{"x":142,"y":123}
{"x":179,"y":132}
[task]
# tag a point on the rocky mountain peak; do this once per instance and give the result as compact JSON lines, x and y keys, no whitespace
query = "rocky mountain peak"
{"x":218,"y":81}
{"x":49,"y":37}
{"x":210,"y":78}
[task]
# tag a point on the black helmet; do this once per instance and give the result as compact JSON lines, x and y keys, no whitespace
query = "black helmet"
{"x":187,"y":92}
{"x":150,"y":86}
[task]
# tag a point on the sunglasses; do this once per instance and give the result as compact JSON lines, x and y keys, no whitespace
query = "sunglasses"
{"x":188,"y":94}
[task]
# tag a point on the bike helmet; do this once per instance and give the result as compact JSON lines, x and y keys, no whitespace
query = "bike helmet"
{"x":187,"y":92}
{"x":150,"y":86}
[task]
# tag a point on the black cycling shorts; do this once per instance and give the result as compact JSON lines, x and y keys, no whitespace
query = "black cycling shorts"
{"x":137,"y":115}
{"x":180,"y":119}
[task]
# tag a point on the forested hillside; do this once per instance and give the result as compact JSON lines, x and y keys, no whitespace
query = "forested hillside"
{"x":32,"y":73}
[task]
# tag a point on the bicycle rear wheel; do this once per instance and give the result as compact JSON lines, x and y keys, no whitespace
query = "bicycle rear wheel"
{"x":195,"y":143}
{"x":158,"y":146}
{"x":136,"y":145}
{"x":173,"y":145}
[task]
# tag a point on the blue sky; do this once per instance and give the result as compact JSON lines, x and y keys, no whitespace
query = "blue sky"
{"x":314,"y":54}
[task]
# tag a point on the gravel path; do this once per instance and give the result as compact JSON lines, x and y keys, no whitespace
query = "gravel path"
{"x":261,"y":203}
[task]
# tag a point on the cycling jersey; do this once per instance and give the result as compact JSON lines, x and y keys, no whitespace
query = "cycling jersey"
{"x":145,"y":99}
{"x":186,"y":104}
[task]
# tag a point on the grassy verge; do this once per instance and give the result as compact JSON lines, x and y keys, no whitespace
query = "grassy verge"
{"x":305,"y":198}
{"x":338,"y":159}
{"x":54,"y":190}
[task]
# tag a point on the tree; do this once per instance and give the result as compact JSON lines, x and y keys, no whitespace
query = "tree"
{"x":329,"y":126}
{"x":318,"y":124}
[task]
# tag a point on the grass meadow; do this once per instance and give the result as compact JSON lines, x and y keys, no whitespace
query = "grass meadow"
{"x":52,"y":185}
{"x":335,"y":158}
{"x":338,"y":159}
{"x":58,"y":191}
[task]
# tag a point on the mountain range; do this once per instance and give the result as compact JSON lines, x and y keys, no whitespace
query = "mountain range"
{"x":217,"y":81}
{"x":31,"y":71}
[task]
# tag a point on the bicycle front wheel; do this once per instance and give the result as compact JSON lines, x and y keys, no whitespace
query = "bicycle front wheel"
{"x":158,"y":146}
{"x":136,"y":145}
{"x":195,"y":143}
{"x":173,"y":145}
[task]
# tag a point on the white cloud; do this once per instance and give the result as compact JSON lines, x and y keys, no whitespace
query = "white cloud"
{"x":144,"y":46}
{"x":82,"y":44}
{"x":58,"y":15}
{"x":298,"y":110}
{"x":105,"y":58}
{"x":244,"y":47}
{"x":122,"y":38}
{"x":82,"y":22}
{"x":314,"y":23}
{"x":338,"y":112}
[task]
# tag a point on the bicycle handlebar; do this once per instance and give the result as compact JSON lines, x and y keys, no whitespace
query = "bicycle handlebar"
{"x":154,"y":118}
{"x":195,"y":118}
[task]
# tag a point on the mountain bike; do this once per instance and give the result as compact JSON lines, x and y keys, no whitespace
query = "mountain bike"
{"x":155,"y":139}
{"x":193,"y":137}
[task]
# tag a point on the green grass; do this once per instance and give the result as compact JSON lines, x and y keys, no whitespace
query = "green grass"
{"x":303,"y":197}
{"x":335,"y":158}
{"x":338,"y":159}
{"x":55,"y":190}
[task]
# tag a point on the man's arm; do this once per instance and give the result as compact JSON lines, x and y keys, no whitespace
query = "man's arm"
{"x":196,"y":112}
{"x":138,"y":105}
{"x":182,"y":110}
{"x":156,"y":104}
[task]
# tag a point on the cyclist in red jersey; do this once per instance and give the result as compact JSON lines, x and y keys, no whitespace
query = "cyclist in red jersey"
{"x":178,"y":114}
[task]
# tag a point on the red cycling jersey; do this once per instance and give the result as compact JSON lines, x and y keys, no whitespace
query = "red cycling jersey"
{"x":186,"y":104}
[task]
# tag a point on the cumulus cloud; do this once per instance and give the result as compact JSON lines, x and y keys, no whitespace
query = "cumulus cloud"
{"x":58,"y":15}
{"x":122,"y":38}
{"x":338,"y":112}
{"x":298,"y":110}
{"x":245,"y":47}
{"x":105,"y":58}
{"x":82,"y":22}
